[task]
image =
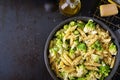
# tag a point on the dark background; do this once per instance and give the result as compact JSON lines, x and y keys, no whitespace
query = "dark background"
{"x":24,"y":28}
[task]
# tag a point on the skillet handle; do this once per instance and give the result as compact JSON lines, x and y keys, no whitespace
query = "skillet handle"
{"x":117,"y":33}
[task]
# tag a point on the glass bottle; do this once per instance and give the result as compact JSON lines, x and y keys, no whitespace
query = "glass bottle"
{"x":69,"y":7}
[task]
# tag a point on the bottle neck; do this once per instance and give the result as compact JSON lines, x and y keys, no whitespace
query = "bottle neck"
{"x":75,"y":2}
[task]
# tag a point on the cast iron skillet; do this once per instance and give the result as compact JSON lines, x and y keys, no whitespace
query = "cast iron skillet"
{"x":84,"y":19}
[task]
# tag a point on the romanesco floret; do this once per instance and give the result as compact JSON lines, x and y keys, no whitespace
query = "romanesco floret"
{"x":95,"y":58}
{"x":81,"y":71}
{"x":97,"y":45}
{"x":90,"y":26}
{"x":113,"y":49}
{"x":82,"y":47}
{"x":104,"y":70}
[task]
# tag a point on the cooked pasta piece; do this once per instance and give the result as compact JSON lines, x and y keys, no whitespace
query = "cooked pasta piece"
{"x":112,"y":63}
{"x":69,"y":69}
{"x":52,"y":59}
{"x":92,"y":64}
{"x":70,"y":29}
{"x":64,"y":60}
{"x":93,"y":40}
{"x":67,"y":58}
{"x":81,"y":32}
{"x":61,"y":65}
{"x":76,"y":60}
{"x":92,"y":68}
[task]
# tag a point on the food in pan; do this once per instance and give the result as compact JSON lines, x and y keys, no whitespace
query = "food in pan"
{"x":82,"y":51}
{"x":108,"y":10}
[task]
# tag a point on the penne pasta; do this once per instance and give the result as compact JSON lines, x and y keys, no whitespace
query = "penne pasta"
{"x":92,"y":68}
{"x":81,"y":32}
{"x":52,"y":59}
{"x":69,"y":69}
{"x":65,"y":62}
{"x":77,"y":60}
{"x":112,"y":63}
{"x":67,"y":58}
{"x":92,"y":64}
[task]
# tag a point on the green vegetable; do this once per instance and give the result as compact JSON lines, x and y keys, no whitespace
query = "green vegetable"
{"x":82,"y":47}
{"x":60,"y":34}
{"x":67,"y":41}
{"x":77,"y":41}
{"x":112,"y":49}
{"x":66,"y":27}
{"x":72,"y":23}
{"x":53,"y":51}
{"x":81,"y":67}
{"x":76,"y":32}
{"x":96,"y":58}
{"x":72,"y":53}
{"x":65,"y":45}
{"x":91,"y":76}
{"x":72,"y":50}
{"x":81,"y":70}
{"x":62,"y":74}
{"x":102,"y":77}
{"x":56,"y":48}
{"x":72,"y":78}
{"x":81,"y":25}
{"x":104,"y":70}
{"x":59,"y":43}
{"x":97,"y":45}
{"x":81,"y":79}
{"x":90,"y":26}
{"x":58,"y":61}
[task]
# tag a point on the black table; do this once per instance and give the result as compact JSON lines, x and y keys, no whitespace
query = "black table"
{"x":24,"y":28}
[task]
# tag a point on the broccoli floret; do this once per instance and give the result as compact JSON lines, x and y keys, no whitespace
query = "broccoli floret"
{"x":72,"y":78}
{"x":66,"y":27}
{"x":62,"y":74}
{"x":82,"y":47}
{"x":81,"y":79}
{"x":76,"y":32}
{"x":102,"y":78}
{"x":81,"y":71}
{"x":81,"y":25}
{"x":72,"y":53}
{"x":72,"y":23}
{"x":77,"y":41}
{"x":97,"y":45}
{"x":65,"y":45}
{"x":95,"y":58}
{"x":104,"y":70}
{"x":81,"y":67}
{"x":59,"y":43}
{"x":113,"y":49}
{"x":53,"y":51}
{"x":90,"y":26}
{"x":60,"y":34}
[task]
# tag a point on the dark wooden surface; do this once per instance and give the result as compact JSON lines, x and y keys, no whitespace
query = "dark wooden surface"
{"x":24,"y":28}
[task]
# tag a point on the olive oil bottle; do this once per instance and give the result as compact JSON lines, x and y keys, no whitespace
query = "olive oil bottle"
{"x":69,"y":7}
